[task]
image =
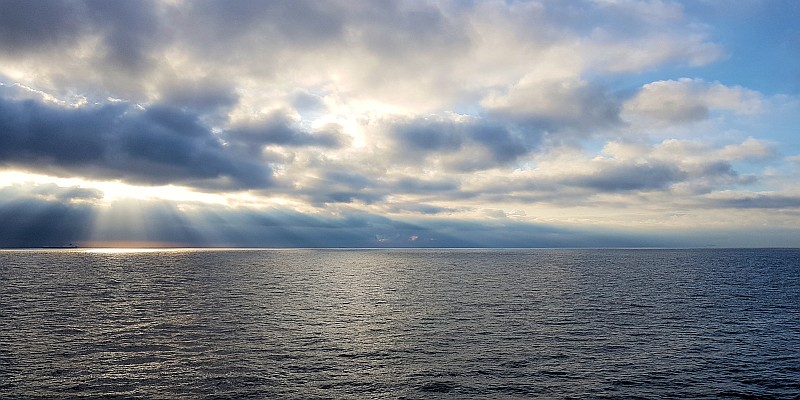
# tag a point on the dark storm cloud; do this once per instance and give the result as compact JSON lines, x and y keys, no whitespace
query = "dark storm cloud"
{"x":157,"y":145}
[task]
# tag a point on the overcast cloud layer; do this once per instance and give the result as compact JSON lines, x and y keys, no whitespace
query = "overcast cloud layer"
{"x":443,"y":123}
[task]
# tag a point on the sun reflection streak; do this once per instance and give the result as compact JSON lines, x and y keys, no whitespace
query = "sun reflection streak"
{"x":125,"y":250}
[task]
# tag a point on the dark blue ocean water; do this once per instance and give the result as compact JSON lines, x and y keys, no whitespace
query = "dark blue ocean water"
{"x":412,"y":324}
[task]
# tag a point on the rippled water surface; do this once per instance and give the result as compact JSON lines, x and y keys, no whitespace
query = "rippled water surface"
{"x":400,"y":324}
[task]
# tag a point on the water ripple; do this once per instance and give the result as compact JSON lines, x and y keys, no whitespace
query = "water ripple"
{"x":400,"y":324}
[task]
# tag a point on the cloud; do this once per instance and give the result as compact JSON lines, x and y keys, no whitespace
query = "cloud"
{"x":412,"y":185}
{"x":417,"y":208}
{"x":411,"y":110}
{"x":204,"y":96}
{"x":66,"y":194}
{"x":428,"y":136}
{"x":750,"y":149}
{"x":131,"y":30}
{"x":623,"y":170}
{"x":556,"y":105}
{"x":416,"y":55}
{"x":694,"y":151}
{"x":752,"y":201}
{"x":156,"y":145}
{"x":295,"y":23}
{"x":460,"y":144}
{"x":689,"y":100}
{"x":644,"y":176}
{"x":44,"y":215}
{"x":278,"y":129}
{"x":51,"y":192}
{"x":673,"y":164}
{"x":34,"y":221}
{"x":97,"y":48}
{"x":29,"y":26}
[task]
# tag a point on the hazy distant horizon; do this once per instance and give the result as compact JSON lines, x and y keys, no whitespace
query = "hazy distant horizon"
{"x":156,"y":248}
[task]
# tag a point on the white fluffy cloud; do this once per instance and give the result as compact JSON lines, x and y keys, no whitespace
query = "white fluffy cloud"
{"x":688,"y":100}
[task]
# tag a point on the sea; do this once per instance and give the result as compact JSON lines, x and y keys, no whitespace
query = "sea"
{"x":400,"y":324}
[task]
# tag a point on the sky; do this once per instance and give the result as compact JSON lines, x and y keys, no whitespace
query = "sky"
{"x":249,"y":123}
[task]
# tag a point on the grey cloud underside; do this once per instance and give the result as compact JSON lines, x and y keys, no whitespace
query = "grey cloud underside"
{"x":631,"y":177}
{"x":158,"y":145}
{"x":166,"y":145}
{"x":498,"y":145}
{"x":763,"y":201}
{"x":421,"y":208}
{"x":279,"y":130}
{"x":570,"y":107}
{"x":163,"y":144}
{"x":388,"y":29}
{"x":346,"y":184}
{"x":417,"y":186}
{"x":298,"y":22}
{"x":36,"y":25}
{"x":344,"y":187}
{"x":130,"y":29}
{"x":206,"y":96}
{"x":567,"y":188}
